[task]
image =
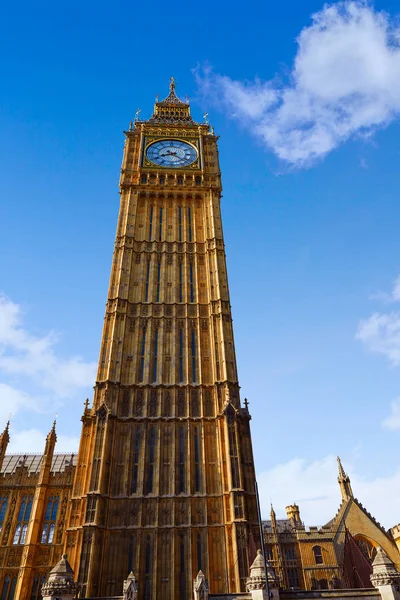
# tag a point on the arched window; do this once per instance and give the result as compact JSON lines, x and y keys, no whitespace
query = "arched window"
{"x":323,"y":584}
{"x":366,"y":547}
{"x":182,"y":568}
{"x":3,"y":509}
{"x":318,"y":555}
{"x":196,"y":462}
{"x":152,"y":440}
{"x":50,"y":520}
{"x":136,"y":463}
{"x":181,"y":460}
{"x":38,"y":581}
{"x":8,"y":590}
{"x":6,"y":587}
{"x":24,"y":515}
{"x":199,"y":552}
{"x":147,"y":569}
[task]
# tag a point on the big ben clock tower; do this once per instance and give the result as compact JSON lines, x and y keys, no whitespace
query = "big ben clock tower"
{"x":165,"y":476}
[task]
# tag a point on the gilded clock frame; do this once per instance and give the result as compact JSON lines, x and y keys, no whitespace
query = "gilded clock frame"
{"x":194,"y":142}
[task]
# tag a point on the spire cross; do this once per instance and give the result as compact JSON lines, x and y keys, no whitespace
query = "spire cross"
{"x":172,"y":84}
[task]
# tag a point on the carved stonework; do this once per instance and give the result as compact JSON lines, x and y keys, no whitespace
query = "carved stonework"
{"x":384,"y":573}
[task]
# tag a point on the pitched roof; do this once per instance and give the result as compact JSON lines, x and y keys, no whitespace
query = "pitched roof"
{"x":32,"y":462}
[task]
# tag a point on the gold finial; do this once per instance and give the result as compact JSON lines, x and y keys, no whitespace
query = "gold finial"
{"x":130,"y":126}
{"x":172,"y":84}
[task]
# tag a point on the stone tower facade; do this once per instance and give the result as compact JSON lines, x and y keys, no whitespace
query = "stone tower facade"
{"x":164,"y":482}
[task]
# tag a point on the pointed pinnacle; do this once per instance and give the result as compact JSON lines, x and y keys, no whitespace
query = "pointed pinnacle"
{"x":341,"y":470}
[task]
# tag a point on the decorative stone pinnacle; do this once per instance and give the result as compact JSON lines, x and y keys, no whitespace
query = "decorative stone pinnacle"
{"x":200,"y":586}
{"x":383,"y":570}
{"x":60,"y":581}
{"x":341,"y":470}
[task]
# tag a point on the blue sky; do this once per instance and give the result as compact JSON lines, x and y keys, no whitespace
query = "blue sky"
{"x":307,"y":109}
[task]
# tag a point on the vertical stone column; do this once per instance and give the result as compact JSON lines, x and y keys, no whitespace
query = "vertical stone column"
{"x":385,"y":576}
{"x":36,"y":518}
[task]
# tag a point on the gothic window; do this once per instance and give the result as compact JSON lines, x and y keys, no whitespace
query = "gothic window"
{"x":293,"y":578}
{"x":91,"y":509}
{"x":180,"y":282}
{"x":180,"y":180}
{"x":238,"y":506}
{"x":190,"y":223}
{"x":196,"y":461}
{"x":268,"y":553}
{"x":323,"y":584}
{"x":191,"y":283}
{"x":146,"y":294}
{"x":136,"y":462}
{"x":181,"y":460}
{"x":234,"y":455}
{"x":318,"y":555}
{"x":152,"y":441}
{"x":143,"y":179}
{"x":131,"y":553}
{"x":290,"y":554}
{"x":160,"y":226}
{"x":182,"y":574}
{"x":194,"y":375}
{"x":155,"y":353}
{"x":198,"y":180}
{"x":199,"y":552}
{"x":158,"y":282}
{"x":8,"y":590}
{"x":37,"y":586}
{"x":142,"y":355}
{"x":151,"y":223}
{"x":180,"y":224}
{"x":147,"y":569}
{"x":23,"y":520}
{"x":3,"y":509}
{"x":180,"y":356}
{"x":366,"y":548}
{"x":162,"y":180}
{"x":50,"y":520}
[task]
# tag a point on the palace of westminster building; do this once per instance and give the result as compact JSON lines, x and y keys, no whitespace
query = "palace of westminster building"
{"x":163,"y":483}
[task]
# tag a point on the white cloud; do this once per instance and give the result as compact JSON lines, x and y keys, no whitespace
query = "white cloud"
{"x":381,"y":334}
{"x":33,"y":440}
{"x":345,"y":81}
{"x":25,"y":354}
{"x":393,"y":296}
{"x":313,"y":486}
{"x":393,"y":420}
{"x":13,"y":400}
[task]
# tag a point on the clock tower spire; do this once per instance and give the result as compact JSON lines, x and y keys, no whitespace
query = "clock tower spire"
{"x":165,"y":476}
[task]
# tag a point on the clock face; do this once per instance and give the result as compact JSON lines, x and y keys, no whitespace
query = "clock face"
{"x":171,"y":153}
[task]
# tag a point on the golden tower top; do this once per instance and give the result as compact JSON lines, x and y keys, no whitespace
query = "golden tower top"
{"x":172,"y":110}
